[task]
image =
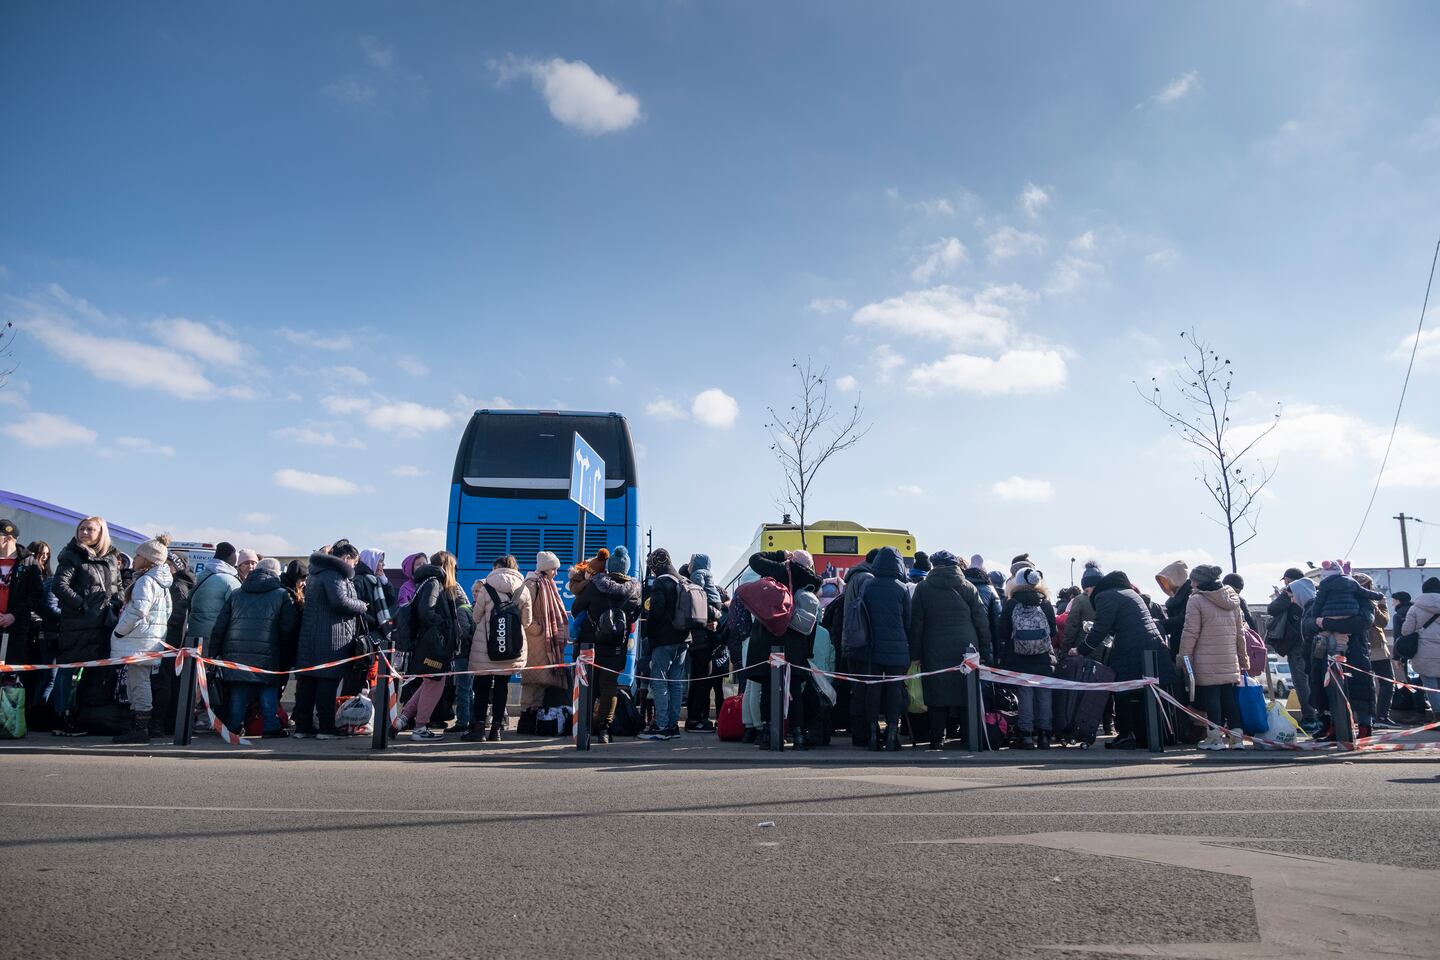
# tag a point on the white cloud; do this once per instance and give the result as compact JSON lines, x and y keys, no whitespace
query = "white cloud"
{"x":664,"y":410}
{"x":1428,"y":352}
{"x":48,"y":430}
{"x":576,"y":95}
{"x":938,"y":207}
{"x":123,"y":361}
{"x":1021,"y":490}
{"x":715,"y":408}
{"x":1069,"y":275}
{"x":412,"y":365}
{"x":824,"y":305}
{"x":317,"y":339}
{"x":316,"y":483}
{"x":942,"y":257}
{"x":1176,"y":90}
{"x":402,"y":543}
{"x":313,"y":436}
{"x":377,"y":54}
{"x":612,"y":381}
{"x":846,"y":384}
{"x":1140,"y":564}
{"x":1008,"y":242}
{"x":1339,"y":439}
{"x":144,"y":445}
{"x":351,"y":374}
{"x":200,"y":341}
{"x":343,"y":405}
{"x":256,"y":519}
{"x":1085,"y":243}
{"x":1013,"y":372}
{"x":948,"y":313}
{"x":464,"y":406}
{"x":1032,"y":199}
{"x":405,"y":470}
{"x":406,"y":416}
{"x":886,"y":362}
{"x":1161,"y":258}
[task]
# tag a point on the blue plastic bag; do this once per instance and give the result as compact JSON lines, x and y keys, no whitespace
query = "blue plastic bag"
{"x":1254,"y":718}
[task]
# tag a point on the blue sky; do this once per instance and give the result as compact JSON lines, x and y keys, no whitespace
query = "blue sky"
{"x":265,"y":259}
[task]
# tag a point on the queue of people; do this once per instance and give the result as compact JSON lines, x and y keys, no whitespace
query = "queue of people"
{"x":851,"y":639}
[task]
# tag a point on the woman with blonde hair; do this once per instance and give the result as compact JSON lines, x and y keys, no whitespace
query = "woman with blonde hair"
{"x":144,"y":623}
{"x":435,"y":635}
{"x":87,"y":586}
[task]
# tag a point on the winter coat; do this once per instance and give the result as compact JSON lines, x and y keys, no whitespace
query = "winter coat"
{"x":1426,"y":661}
{"x":1284,"y":605}
{"x":327,"y":625}
{"x":607,"y":591}
{"x":145,"y":621}
{"x":989,"y":597}
{"x":1379,"y":647}
{"x":888,"y":605}
{"x":36,"y":612}
{"x":798,"y":646}
{"x":659,"y":628}
{"x":1081,"y":609}
{"x":258,"y":622}
{"x":436,"y":623}
{"x":1214,"y":637}
{"x":700,"y":574}
{"x":947,"y":616}
{"x":1040,"y":664}
{"x":506,"y":583}
{"x":1121,"y":613}
{"x":86,"y":586}
{"x":406,"y":593}
{"x":538,"y":647}
{"x":376,"y":597}
{"x":1175,"y":610}
{"x":216,"y":584}
{"x":1341,"y":596}
{"x":182,"y":586}
{"x":1397,"y":622}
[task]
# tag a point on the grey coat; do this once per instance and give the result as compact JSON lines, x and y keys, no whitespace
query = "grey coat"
{"x":947,"y":616}
{"x":327,"y":627}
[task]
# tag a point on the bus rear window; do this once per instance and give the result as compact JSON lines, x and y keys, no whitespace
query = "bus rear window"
{"x":842,"y":545}
{"x":538,"y":446}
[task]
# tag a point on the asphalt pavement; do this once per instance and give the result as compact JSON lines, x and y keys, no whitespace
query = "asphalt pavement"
{"x":467,"y":854}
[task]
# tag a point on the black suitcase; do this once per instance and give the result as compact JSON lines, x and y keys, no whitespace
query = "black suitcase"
{"x":1078,"y":713}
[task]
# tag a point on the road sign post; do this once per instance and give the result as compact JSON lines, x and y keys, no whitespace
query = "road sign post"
{"x":587,"y":489}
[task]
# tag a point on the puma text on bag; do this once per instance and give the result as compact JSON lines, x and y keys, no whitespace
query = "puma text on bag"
{"x":506,"y":638}
{"x":1031,"y":630}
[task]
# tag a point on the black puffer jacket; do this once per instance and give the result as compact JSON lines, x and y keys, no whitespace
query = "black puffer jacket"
{"x":182,"y":582}
{"x":35,"y":617}
{"x":946,"y":618}
{"x":253,"y":627}
{"x":799,"y":647}
{"x":327,"y":627}
{"x":86,"y":586}
{"x":1175,"y":617}
{"x":1121,"y":613}
{"x":607,"y":591}
{"x":436,"y":624}
{"x":1039,"y":664}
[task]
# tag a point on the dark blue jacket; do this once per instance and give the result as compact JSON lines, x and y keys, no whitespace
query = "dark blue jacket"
{"x":1121,"y":613}
{"x":887,"y":601}
{"x":1341,"y":596}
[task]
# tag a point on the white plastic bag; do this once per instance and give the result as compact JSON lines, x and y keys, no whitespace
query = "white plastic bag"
{"x":1282,"y":727}
{"x":356,"y":713}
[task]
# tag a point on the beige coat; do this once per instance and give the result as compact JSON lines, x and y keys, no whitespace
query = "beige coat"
{"x":537,"y":647}
{"x":1214,"y":637}
{"x":506,"y":582}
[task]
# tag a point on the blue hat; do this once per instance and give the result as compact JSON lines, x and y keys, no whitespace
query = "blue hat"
{"x":944,"y":558}
{"x":619,"y":561}
{"x":1092,"y":575}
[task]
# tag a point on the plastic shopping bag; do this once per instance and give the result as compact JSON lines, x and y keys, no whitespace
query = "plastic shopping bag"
{"x":915,"y":686}
{"x":1281,"y":726}
{"x":12,"y":712}
{"x":1253,"y":717}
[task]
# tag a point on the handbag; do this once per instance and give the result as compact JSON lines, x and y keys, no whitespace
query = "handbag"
{"x":1407,"y":647}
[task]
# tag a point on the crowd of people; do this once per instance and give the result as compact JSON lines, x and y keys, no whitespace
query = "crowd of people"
{"x":340,"y":619}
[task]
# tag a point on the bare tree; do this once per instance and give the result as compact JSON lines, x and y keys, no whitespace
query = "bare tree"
{"x":1201,"y":417}
{"x":7,"y":352}
{"x":806,"y":437}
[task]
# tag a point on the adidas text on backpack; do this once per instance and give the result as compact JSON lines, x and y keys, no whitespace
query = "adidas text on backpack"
{"x":506,"y":638}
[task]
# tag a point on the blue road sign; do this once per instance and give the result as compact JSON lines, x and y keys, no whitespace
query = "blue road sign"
{"x":587,"y":478}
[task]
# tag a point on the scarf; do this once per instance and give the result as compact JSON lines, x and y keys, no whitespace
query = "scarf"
{"x":550,"y":612}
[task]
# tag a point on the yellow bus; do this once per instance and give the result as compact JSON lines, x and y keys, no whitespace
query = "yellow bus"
{"x":836,"y":545}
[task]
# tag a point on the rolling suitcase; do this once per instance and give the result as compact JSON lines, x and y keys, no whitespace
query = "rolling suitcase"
{"x":1077,"y":713}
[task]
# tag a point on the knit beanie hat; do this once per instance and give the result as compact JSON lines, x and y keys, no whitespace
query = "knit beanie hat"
{"x":596,"y":564}
{"x":923,"y":561}
{"x":1028,"y":577}
{"x":270,"y":565}
{"x":942,"y":558}
{"x":225,"y":552}
{"x":1431,"y":585}
{"x":1294,"y":573}
{"x":977,"y":562}
{"x":1303,"y":590}
{"x":619,"y":561}
{"x":803,"y":558}
{"x":155,"y":551}
{"x":1205,"y":573}
{"x":1401,"y":596}
{"x":1235,"y":582}
{"x":545,"y":560}
{"x":246,"y":556}
{"x":1332,"y":568}
{"x":659,"y":558}
{"x":1092,"y":575}
{"x":1019,"y":563}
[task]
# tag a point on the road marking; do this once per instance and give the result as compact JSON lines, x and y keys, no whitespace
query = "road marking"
{"x":958,"y":783}
{"x":738,"y":811}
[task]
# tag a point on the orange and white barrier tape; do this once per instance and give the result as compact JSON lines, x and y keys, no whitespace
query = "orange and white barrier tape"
{"x":584,"y":663}
{"x":778,"y":660}
{"x":107,"y":662}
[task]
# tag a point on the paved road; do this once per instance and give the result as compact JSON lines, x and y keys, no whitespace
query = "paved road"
{"x":289,"y":856}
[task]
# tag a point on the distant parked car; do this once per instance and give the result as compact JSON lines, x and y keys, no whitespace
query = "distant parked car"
{"x":1281,"y":683}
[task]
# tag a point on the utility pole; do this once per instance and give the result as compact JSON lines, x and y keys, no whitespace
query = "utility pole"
{"x":1404,"y":537}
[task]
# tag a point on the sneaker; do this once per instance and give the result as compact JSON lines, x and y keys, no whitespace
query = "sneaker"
{"x":423,"y":734}
{"x":651,"y":733}
{"x":403,"y":724}
{"x":69,"y":732}
{"x":1234,"y":742}
{"x":331,"y":735}
{"x":299,"y":734}
{"x":670,"y":733}
{"x":700,"y":726}
{"x":1386,"y":724}
{"x":1212,"y":742}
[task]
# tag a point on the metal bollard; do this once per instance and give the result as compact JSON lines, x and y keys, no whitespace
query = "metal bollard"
{"x":185,"y":703}
{"x":974,"y":710}
{"x":587,"y":696}
{"x":777,"y":703}
{"x":1153,"y":736}
{"x":380,"y":737}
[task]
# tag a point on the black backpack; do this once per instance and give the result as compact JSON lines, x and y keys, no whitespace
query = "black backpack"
{"x":507,"y":638}
{"x":612,"y":629}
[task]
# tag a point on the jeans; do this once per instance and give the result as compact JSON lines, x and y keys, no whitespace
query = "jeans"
{"x":1434,"y":684}
{"x":669,"y":668}
{"x":315,"y":697}
{"x":1035,"y":703}
{"x":492,"y":691}
{"x":464,"y":693}
{"x":1221,"y":703}
{"x":1299,"y":660}
{"x":61,"y":693}
{"x":244,"y":694}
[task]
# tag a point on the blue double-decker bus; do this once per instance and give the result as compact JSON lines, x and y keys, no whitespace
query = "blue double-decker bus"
{"x":510,"y":493}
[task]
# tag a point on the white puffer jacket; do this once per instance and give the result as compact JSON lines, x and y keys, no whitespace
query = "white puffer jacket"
{"x":146,"y":617}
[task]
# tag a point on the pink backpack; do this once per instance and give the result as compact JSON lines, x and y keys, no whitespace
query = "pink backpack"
{"x":768,"y":601}
{"x":1255,"y":647}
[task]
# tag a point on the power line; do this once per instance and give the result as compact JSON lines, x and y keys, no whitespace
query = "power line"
{"x":1414,"y":349}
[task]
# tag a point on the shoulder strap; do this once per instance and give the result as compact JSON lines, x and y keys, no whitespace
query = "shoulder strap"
{"x":494,"y":597}
{"x":1427,"y":623}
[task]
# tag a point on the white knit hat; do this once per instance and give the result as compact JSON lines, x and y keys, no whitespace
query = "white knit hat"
{"x":545,"y":560}
{"x":155,"y":551}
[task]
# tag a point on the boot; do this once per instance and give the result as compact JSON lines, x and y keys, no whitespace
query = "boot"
{"x":1365,"y":731}
{"x":139,"y":731}
{"x":892,"y":737}
{"x":476,"y":733}
{"x":1043,"y":740}
{"x":763,"y":737}
{"x":1327,"y":735}
{"x":1027,"y":742}
{"x":526,"y":723}
{"x":875,"y":736}
{"x":751,"y":735}
{"x":494,"y":735}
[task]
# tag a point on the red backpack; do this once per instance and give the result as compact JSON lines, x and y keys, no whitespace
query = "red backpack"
{"x":769,"y":601}
{"x":731,"y":724}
